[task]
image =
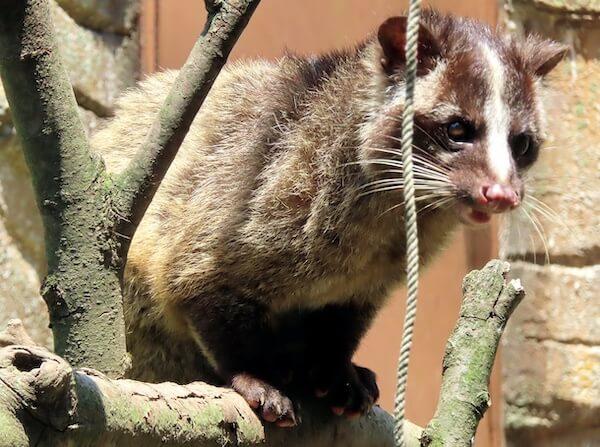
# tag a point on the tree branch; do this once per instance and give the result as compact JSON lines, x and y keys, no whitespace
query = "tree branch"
{"x":83,"y":215}
{"x":226,"y":20}
{"x":44,"y":111}
{"x":70,"y":191}
{"x":42,"y":398}
{"x":488,"y":303}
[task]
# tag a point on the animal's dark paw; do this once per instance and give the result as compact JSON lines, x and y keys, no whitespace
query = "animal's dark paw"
{"x":270,"y":404}
{"x":351,"y":390}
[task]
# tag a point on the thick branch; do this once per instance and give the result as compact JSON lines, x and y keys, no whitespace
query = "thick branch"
{"x":43,"y":400}
{"x":46,"y":403}
{"x":226,"y":20}
{"x":44,"y":111}
{"x":70,"y":192}
{"x":488,"y":302}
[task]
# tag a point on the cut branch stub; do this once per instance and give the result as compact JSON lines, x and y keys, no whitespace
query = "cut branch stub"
{"x":42,"y":382}
{"x":488,"y":302}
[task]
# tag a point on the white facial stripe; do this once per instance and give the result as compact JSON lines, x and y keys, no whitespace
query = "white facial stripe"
{"x":497,"y":118}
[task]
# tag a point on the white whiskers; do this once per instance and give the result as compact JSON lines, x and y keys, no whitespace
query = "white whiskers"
{"x":431,"y":181}
{"x":535,"y":213}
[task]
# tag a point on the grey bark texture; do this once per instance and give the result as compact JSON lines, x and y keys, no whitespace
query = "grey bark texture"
{"x":44,"y":402}
{"x":488,"y":302}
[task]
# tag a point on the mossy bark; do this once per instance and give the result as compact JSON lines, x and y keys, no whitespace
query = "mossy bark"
{"x":488,"y":302}
{"x":82,"y":288}
{"x":43,"y":401}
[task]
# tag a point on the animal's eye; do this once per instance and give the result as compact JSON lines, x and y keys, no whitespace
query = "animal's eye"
{"x":460,"y":131}
{"x":521,"y":145}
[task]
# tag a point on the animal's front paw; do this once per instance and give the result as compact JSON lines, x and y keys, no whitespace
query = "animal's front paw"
{"x":350,"y":390}
{"x":270,"y":404}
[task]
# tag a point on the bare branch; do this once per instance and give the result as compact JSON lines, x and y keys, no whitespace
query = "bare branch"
{"x":139,"y":182}
{"x":70,"y":191}
{"x":488,"y":303}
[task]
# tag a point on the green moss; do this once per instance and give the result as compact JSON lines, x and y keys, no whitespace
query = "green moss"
{"x":209,"y":421}
{"x":249,"y":432}
{"x":125,"y":410}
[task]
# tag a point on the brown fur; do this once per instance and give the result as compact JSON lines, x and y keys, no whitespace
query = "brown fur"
{"x":263,"y":199}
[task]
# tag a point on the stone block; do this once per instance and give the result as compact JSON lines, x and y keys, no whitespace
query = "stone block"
{"x":100,"y":65}
{"x":22,"y":259}
{"x":551,"y":355}
{"x":562,"y":304}
{"x":550,"y":387}
{"x":22,"y":255}
{"x":118,"y":16}
{"x":20,"y":291}
{"x":579,"y":438}
{"x":19,"y":215}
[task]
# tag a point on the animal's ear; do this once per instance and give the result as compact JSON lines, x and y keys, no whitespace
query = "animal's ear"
{"x":392,"y":38}
{"x":542,"y":55}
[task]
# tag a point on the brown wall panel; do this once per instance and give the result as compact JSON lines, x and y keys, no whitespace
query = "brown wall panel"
{"x":303,"y":26}
{"x":312,"y":26}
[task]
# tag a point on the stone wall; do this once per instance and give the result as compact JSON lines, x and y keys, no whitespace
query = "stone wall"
{"x":551,"y":356}
{"x":99,"y":44}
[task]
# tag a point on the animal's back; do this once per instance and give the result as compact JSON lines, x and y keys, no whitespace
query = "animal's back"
{"x":259,"y":203}
{"x":199,"y":196}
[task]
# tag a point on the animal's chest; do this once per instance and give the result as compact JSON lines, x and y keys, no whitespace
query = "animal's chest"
{"x":362,"y":278}
{"x":365,"y":269}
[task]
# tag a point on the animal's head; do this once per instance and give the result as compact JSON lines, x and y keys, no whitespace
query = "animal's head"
{"x":479,"y":122}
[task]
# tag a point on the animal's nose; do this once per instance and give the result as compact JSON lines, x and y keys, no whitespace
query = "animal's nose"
{"x":499,"y":198}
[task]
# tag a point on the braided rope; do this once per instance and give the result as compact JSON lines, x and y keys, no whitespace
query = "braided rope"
{"x":410,"y":219}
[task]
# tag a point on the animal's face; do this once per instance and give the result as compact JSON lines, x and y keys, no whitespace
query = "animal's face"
{"x":478,"y":124}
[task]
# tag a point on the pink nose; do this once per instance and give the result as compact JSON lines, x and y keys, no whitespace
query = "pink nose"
{"x":499,"y":197}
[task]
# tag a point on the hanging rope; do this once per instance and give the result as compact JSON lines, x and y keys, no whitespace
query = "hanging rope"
{"x":410,"y":218}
